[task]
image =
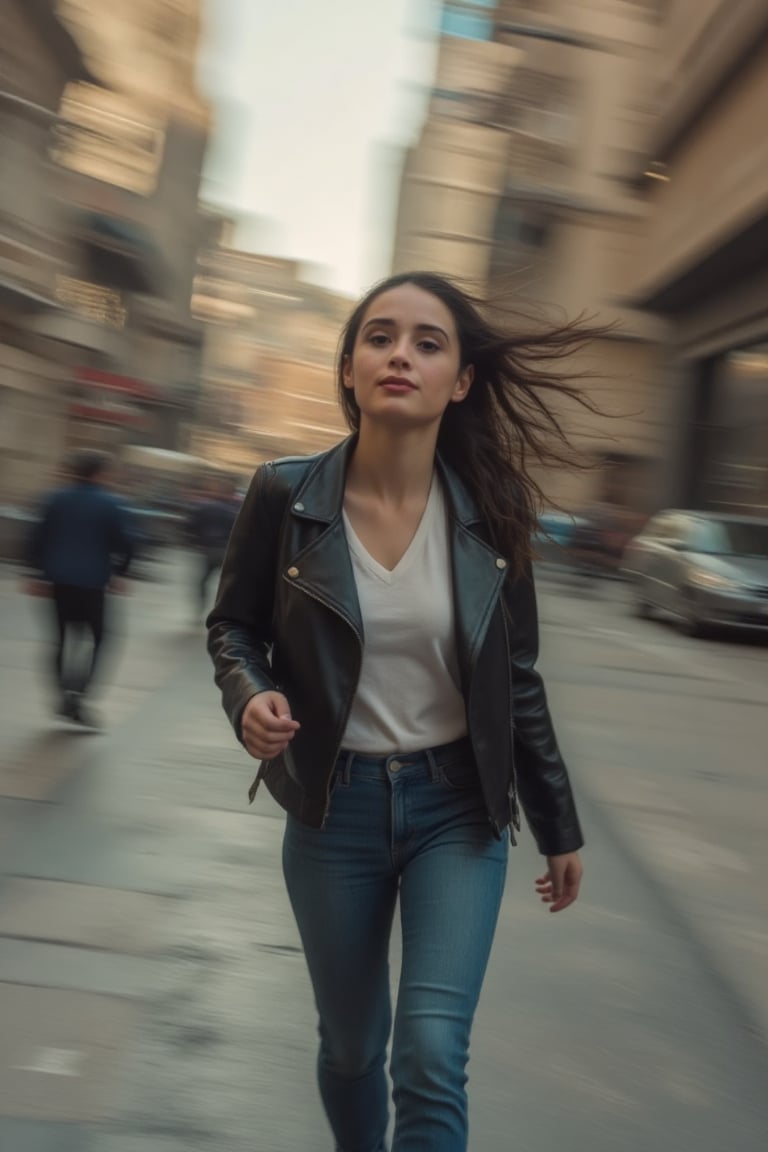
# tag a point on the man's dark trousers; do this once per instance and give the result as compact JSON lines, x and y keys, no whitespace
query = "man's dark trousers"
{"x":78,"y":610}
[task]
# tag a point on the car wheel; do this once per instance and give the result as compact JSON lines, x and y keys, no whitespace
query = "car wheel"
{"x":642,"y":608}
{"x":691,"y":623}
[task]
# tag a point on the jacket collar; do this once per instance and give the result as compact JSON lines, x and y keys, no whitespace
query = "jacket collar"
{"x":321,"y":494}
{"x":324,"y":567}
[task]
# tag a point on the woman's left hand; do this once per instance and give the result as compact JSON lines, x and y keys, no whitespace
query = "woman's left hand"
{"x":559,"y":886}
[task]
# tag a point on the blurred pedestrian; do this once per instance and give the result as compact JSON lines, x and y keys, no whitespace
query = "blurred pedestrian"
{"x":375,"y":639}
{"x":209,"y":525}
{"x":587,"y":549}
{"x":80,"y":545}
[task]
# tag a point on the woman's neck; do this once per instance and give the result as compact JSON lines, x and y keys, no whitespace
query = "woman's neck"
{"x":394,"y":466}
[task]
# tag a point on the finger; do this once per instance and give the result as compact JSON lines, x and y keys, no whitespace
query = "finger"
{"x":278,"y":705}
{"x":269,"y":725}
{"x":562,"y":903}
{"x":282,"y":723}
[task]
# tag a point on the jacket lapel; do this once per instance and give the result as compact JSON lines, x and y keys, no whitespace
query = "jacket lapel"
{"x":323,"y":568}
{"x":478,"y":573}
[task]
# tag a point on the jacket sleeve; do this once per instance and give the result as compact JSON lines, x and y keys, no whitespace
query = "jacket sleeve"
{"x":542,"y":777}
{"x":240,"y":624}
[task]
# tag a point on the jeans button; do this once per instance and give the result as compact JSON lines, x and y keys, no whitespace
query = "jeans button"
{"x":395,"y":766}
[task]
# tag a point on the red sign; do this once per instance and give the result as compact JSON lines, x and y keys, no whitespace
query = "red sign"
{"x":139,"y":389}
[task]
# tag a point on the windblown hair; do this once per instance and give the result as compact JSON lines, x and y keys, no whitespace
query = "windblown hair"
{"x":507,"y":422}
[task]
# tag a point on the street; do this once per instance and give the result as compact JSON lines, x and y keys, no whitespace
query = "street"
{"x":152,"y":989}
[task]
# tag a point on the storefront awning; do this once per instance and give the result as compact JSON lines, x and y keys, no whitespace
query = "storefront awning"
{"x":18,"y":296}
{"x":64,"y":327}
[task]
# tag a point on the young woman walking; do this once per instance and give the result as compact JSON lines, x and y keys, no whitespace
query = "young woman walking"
{"x":375,"y":639}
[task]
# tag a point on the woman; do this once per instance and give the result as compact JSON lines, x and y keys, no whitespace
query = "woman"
{"x":374,"y":639}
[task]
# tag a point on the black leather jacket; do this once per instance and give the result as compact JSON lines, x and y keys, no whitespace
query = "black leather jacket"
{"x":287,"y":617}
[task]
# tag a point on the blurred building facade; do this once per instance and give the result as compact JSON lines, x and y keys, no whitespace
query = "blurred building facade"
{"x":702,"y":259}
{"x":113,"y":198}
{"x":523,"y":182}
{"x":38,"y":58}
{"x":269,"y":346}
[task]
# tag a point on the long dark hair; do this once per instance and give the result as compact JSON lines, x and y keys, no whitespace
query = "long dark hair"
{"x":507,"y":422}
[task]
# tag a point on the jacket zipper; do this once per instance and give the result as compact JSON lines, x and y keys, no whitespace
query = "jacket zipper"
{"x":347,"y":620}
{"x":514,"y":803}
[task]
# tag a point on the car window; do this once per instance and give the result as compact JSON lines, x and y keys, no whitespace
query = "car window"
{"x":737,"y":538}
{"x":708,"y":538}
{"x":747,"y":538}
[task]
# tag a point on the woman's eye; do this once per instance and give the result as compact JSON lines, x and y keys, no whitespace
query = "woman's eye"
{"x":429,"y":346}
{"x":379,"y":339}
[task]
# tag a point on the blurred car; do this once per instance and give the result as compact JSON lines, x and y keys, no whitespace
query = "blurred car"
{"x":703,"y":567}
{"x":554,"y":536}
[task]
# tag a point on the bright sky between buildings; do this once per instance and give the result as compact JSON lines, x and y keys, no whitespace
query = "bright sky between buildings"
{"x":313,"y":104}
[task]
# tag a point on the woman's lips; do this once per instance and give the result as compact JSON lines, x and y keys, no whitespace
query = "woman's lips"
{"x":397,"y":384}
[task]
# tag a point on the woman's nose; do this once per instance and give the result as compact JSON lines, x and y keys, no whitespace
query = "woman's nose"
{"x":399,"y":354}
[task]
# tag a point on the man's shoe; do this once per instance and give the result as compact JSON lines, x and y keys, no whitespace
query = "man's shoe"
{"x":84,"y":715}
{"x":68,"y":705}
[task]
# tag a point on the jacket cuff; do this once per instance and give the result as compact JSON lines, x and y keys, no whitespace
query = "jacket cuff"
{"x":237,"y":707}
{"x":558,"y":841}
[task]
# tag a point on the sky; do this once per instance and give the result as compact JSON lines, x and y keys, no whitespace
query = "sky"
{"x":314,"y":101}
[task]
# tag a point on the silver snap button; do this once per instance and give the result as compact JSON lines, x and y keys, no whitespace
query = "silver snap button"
{"x":293,"y":573}
{"x":501,"y":563}
{"x":395,"y":766}
{"x":298,"y":507}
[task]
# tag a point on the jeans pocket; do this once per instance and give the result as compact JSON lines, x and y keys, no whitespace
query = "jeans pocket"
{"x":459,"y":775}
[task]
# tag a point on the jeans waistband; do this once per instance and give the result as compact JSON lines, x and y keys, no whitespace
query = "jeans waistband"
{"x":430,"y":759}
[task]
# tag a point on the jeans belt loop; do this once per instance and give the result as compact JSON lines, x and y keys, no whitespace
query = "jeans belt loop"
{"x":433,"y":765}
{"x":346,"y":775}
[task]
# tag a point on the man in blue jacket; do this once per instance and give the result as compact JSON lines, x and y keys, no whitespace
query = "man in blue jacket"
{"x":80,"y":542}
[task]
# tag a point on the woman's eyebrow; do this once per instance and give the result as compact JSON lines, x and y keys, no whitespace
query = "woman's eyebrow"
{"x":385,"y":321}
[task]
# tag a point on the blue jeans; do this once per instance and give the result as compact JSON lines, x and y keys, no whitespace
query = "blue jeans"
{"x":415,"y":825}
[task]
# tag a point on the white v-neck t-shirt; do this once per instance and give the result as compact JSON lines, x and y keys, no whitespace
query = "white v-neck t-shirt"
{"x":409,"y":694}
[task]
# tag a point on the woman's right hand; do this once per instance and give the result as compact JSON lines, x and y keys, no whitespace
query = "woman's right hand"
{"x":267,"y":727}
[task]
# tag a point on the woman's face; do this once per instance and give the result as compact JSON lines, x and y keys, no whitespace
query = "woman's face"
{"x":405,"y":367}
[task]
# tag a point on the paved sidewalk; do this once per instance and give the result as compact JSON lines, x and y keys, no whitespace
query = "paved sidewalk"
{"x":153,"y":992}
{"x":149,"y":627}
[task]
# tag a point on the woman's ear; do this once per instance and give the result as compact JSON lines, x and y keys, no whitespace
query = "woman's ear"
{"x":346,"y":372}
{"x":463,"y":384}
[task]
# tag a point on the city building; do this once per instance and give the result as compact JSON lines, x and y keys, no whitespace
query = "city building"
{"x":269,"y":345}
{"x":523,"y":185}
{"x":38,"y":58}
{"x":701,"y":261}
{"x":128,"y":149}
{"x":102,"y":140}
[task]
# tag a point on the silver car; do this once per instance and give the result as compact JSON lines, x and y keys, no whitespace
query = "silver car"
{"x":705,"y":568}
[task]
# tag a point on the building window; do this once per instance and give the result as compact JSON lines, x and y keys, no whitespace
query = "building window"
{"x":465,"y":21}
